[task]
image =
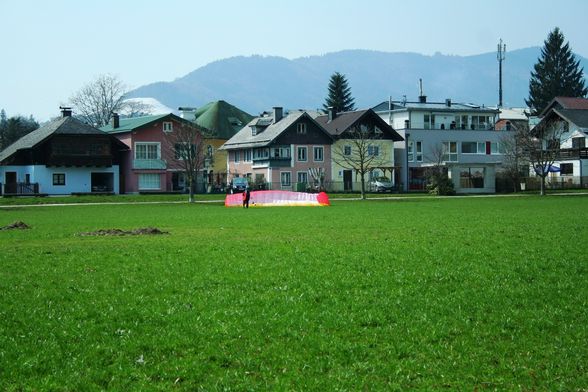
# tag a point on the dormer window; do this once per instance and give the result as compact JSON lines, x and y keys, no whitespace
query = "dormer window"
{"x":253,"y":131}
{"x":168,"y":126}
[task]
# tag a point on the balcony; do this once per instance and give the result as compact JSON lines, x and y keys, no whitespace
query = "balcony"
{"x":271,"y":162}
{"x":149,"y":164}
{"x":572,"y":153}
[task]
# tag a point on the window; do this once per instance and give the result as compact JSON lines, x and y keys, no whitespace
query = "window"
{"x":318,"y":154}
{"x":419,"y":151}
{"x":301,"y":154}
{"x":147,"y":151}
{"x":373,"y":151}
{"x":471,"y":177}
{"x":261,"y":153}
{"x":473,"y":147}
{"x":302,"y":177}
{"x":236,"y":156}
{"x":578,"y":142}
{"x":494,"y":150}
{"x":410,"y":151}
{"x":59,"y":179}
{"x":248,"y":154}
{"x":301,"y":129}
{"x":149,"y":181}
{"x":566,"y":169}
{"x":209,"y":150}
{"x":429,"y":121}
{"x":347,"y":150}
{"x":285,"y":179}
{"x":182,"y":151}
{"x":280,"y":152}
{"x":168,"y":126}
{"x":450,"y":151}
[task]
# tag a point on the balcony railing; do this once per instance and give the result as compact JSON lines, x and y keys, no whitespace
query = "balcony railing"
{"x":573,"y":153}
{"x":21,"y":188}
{"x":149,"y":164}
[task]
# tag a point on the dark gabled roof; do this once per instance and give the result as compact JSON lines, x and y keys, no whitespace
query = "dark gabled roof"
{"x":566,"y":103}
{"x":221,"y":119}
{"x":61,"y":126}
{"x":245,"y":139}
{"x":345,"y":120}
{"x":577,"y":117}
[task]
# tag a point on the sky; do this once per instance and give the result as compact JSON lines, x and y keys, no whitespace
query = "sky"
{"x":51,"y":49}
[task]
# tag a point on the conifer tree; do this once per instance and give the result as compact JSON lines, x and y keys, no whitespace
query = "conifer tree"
{"x":557,"y":73}
{"x":339,"y":96}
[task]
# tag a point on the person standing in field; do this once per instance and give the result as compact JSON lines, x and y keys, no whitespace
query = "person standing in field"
{"x":246,"y":197}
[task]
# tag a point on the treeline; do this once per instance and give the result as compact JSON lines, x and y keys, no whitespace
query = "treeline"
{"x":13,"y":128}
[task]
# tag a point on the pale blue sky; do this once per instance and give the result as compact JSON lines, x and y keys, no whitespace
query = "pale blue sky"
{"x":51,"y":48}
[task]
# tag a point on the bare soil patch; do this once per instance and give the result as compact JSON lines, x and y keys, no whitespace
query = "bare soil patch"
{"x":18,"y":225}
{"x":119,"y":232}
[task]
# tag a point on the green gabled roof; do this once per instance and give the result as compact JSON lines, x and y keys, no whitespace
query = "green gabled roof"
{"x":128,"y":124}
{"x":222,"y":119}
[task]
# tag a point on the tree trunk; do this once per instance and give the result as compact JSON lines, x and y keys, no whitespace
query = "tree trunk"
{"x":190,"y":190}
{"x":542,"y":191}
{"x":362,"y":176}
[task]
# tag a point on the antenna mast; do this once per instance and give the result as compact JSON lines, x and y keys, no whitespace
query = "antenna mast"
{"x":500,"y":55}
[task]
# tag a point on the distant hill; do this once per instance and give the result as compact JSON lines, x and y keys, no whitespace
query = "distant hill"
{"x":257,"y":83}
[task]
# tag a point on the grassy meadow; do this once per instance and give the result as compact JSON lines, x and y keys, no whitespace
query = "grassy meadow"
{"x":452,"y":294}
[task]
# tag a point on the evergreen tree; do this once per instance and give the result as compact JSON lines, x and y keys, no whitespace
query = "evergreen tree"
{"x":14,"y":128}
{"x":339,"y":94}
{"x":557,"y":73}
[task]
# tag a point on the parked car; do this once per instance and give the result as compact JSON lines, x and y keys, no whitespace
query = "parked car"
{"x":238,"y":185}
{"x":381,"y":184}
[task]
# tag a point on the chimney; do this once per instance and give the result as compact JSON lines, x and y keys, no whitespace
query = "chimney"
{"x":278,"y":113}
{"x":448,"y":102}
{"x":65,"y":111}
{"x":332,"y":113}
{"x":187,"y":113}
{"x":114,"y":121}
{"x":422,"y":97}
{"x":406,"y":124}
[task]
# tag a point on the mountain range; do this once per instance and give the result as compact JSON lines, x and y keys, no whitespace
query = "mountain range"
{"x":257,"y":83}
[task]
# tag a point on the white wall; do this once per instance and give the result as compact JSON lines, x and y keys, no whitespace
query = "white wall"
{"x":77,"y":179}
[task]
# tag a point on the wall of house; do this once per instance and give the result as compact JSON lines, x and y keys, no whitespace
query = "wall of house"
{"x":386,"y":150}
{"x":77,"y":179}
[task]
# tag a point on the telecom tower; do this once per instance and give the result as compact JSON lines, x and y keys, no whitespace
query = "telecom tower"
{"x":500,"y":55}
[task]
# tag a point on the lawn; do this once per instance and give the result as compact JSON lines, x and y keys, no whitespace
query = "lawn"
{"x":455,"y":294}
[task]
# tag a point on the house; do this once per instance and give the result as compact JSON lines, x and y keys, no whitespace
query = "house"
{"x":221,"y":121}
{"x":569,"y":118}
{"x":279,"y":151}
{"x":63,"y":156}
{"x":151,"y":163}
{"x":378,"y":142}
{"x":459,"y":136}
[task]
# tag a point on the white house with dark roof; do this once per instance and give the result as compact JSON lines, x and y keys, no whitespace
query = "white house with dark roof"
{"x":62,"y":157}
{"x":569,"y":117}
{"x":461,"y":136}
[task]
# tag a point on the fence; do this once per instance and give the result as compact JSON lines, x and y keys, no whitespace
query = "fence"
{"x":506,"y":185}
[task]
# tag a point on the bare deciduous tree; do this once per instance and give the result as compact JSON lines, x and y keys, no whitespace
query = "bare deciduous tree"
{"x":541,"y":147}
{"x":185,"y":148}
{"x":360,"y":153}
{"x":96,"y":101}
{"x":438,"y":182}
{"x":514,"y":159}
{"x":136,"y":108}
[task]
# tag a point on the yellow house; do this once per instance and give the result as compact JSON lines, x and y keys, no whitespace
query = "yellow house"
{"x":364,"y":147}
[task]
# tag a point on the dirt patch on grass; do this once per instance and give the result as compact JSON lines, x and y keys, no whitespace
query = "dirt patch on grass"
{"x":118,"y":232}
{"x":18,"y":225}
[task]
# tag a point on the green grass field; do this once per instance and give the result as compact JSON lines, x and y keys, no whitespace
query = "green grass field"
{"x":452,"y":294}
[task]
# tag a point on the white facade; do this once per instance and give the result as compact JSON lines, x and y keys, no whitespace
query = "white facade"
{"x":51,"y":181}
{"x":461,"y":136}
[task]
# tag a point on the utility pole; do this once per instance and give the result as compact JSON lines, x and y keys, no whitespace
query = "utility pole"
{"x":500,"y":55}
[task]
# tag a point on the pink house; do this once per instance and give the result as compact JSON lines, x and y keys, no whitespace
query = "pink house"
{"x":149,"y":165}
{"x":280,"y":152}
